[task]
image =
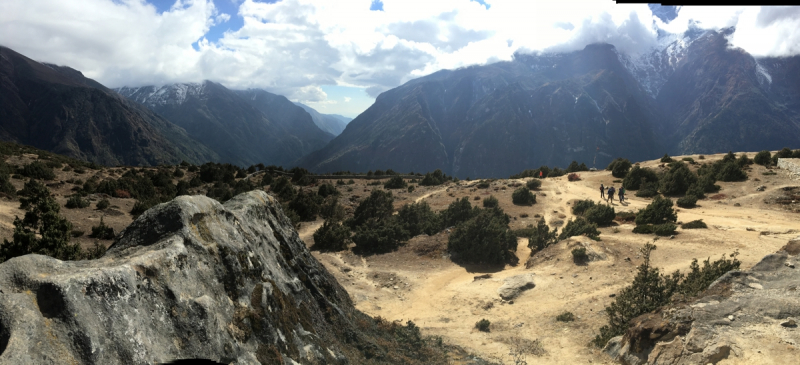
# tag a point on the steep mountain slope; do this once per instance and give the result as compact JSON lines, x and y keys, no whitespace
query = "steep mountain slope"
{"x":56,"y":108}
{"x":499,"y":119}
{"x":227,"y":123}
{"x":331,"y":123}
{"x":281,"y":111}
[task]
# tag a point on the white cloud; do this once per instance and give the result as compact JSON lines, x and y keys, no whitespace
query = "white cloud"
{"x":347,"y":99}
{"x":293,"y":47}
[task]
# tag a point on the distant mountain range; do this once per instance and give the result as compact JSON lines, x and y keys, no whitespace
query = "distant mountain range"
{"x":56,"y":108}
{"x":691,"y":94}
{"x":331,"y":123}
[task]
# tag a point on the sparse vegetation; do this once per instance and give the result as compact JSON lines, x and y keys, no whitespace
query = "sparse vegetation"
{"x":483,"y":325}
{"x":38,"y":170}
{"x":332,"y":236}
{"x":485,"y":238}
{"x":490,"y":202}
{"x":694,"y":224}
{"x":619,"y":167}
{"x":541,"y":236}
{"x":396,"y":182}
{"x":577,"y":227}
{"x":565,"y":317}
{"x":102,"y":231}
{"x":650,"y":290}
{"x":523,"y":196}
{"x":102,"y":204}
{"x":75,"y":202}
{"x":579,"y":255}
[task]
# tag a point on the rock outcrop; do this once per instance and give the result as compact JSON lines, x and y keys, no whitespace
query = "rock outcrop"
{"x":745,"y":316}
{"x":191,"y":278}
{"x":513,"y":286}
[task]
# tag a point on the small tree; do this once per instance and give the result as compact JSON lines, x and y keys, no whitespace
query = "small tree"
{"x":483,"y":325}
{"x":331,"y":209}
{"x":42,"y":230}
{"x":76,"y":201}
{"x":332,"y":236}
{"x":490,"y":202}
{"x":102,"y":204}
{"x":619,"y":167}
{"x":523,"y":196}
{"x":581,"y":206}
{"x":600,"y":214}
{"x":763,"y":158}
{"x":378,"y":205}
{"x":657,"y":212}
{"x":326,"y":190}
{"x":577,"y":227}
{"x":458,"y":211}
{"x":305,"y":205}
{"x":396,"y":182}
{"x":484,"y":239}
{"x":688,"y":201}
{"x":677,"y":180}
{"x":379,"y":236}
{"x":533,"y":184}
{"x":102,"y":231}
{"x":666,"y":159}
{"x":418,"y":218}
{"x":637,"y":176}
{"x":542,"y":237}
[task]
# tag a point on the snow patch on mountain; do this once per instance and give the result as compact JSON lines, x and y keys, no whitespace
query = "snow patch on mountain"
{"x":172,"y":94}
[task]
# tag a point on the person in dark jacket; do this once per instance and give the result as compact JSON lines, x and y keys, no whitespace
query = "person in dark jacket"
{"x":611,"y":191}
{"x":602,"y":192}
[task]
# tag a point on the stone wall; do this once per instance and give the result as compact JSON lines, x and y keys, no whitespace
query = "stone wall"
{"x":790,"y":164}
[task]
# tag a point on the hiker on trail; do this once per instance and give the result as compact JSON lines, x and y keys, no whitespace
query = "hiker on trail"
{"x":602,"y":192}
{"x":611,"y":194}
{"x":621,"y":194}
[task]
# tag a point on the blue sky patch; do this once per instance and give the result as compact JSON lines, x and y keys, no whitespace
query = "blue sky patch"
{"x":376,"y":5}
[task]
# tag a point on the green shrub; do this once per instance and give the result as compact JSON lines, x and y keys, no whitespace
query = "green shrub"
{"x":696,"y":191}
{"x":379,"y":236}
{"x":38,"y":170}
{"x":76,"y":201}
{"x":491,"y":202}
{"x":435,"y":178}
{"x":574,"y":167}
{"x":292,"y":215}
{"x":340,"y":182}
{"x":665,"y":229}
{"x":647,"y":190}
{"x":178,"y":173}
{"x":743,"y":160}
{"x":657,"y":212}
{"x":326,"y":190}
{"x":579,"y":255}
{"x":581,"y":206}
{"x":331,"y":209}
{"x":600,"y":214}
{"x":638,"y":176}
{"x":396,"y":182}
{"x":102,"y":204}
{"x":141,"y":206}
{"x":458,"y":211}
{"x":677,"y":179}
{"x":411,"y":188}
{"x":483,"y":325}
{"x":565,"y":317}
{"x":378,"y":205}
{"x":577,"y":227}
{"x":6,"y":187}
{"x":541,"y":236}
{"x":485,"y":239}
{"x":688,"y":159}
{"x":332,"y":236}
{"x":625,"y":216}
{"x":266,"y":179}
{"x":643,"y":229}
{"x":523,"y":196}
{"x":651,"y":290}
{"x":102,"y":231}
{"x":730,"y":171}
{"x":694,"y":224}
{"x":42,"y":230}
{"x":688,"y":201}
{"x":302,"y":177}
{"x":418,"y":218}
{"x":305,"y":205}
{"x":533,"y":184}
{"x":666,"y":159}
{"x":283,"y":189}
{"x":483,"y":184}
{"x":619,"y":167}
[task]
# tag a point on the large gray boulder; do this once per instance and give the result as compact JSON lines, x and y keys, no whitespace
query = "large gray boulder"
{"x":745,"y":317}
{"x":513,"y":286}
{"x":191,"y":278}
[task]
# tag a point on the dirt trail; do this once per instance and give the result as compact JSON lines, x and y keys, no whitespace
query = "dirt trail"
{"x":445,"y":299}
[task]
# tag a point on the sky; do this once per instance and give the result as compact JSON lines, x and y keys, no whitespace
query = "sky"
{"x":337,"y":56}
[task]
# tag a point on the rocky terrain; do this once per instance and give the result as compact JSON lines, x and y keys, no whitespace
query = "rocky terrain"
{"x":191,"y":278}
{"x":418,"y":282}
{"x":745,"y":317}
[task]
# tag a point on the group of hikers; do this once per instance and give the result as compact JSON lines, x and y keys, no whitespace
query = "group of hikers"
{"x":610,"y":193}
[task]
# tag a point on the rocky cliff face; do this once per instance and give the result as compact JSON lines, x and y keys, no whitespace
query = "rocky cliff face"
{"x":191,"y":278}
{"x":748,"y":316}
